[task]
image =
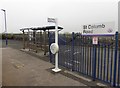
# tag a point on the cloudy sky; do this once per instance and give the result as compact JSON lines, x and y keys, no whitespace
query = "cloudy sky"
{"x":71,"y":14}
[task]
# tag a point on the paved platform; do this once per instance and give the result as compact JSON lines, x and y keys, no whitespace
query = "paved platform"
{"x":21,"y":69}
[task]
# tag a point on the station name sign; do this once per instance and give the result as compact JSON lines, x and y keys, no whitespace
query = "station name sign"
{"x":93,"y":26}
{"x":99,"y":29}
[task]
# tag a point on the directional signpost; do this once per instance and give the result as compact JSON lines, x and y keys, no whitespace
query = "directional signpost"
{"x":54,"y":46}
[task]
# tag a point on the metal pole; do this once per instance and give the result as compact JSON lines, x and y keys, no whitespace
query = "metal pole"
{"x":72,"y":51}
{"x":94,"y":63}
{"x":49,"y":46}
{"x":44,"y":42}
{"x":5,"y":26}
{"x":29,"y":39}
{"x":56,"y":41}
{"x":23,"y":39}
{"x":115,"y":59}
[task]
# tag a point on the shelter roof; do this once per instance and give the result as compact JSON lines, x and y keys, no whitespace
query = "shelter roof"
{"x":42,"y":28}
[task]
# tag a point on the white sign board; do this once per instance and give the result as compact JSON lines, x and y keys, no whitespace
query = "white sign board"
{"x":107,"y":28}
{"x":95,"y":40}
{"x":52,"y":20}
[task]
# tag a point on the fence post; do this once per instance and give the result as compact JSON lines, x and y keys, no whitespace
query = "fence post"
{"x":119,"y":67}
{"x":94,"y":63}
{"x":72,"y":51}
{"x":115,"y":59}
{"x":49,"y":47}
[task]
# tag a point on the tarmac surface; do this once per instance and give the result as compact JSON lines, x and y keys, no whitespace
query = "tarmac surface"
{"x":21,"y":69}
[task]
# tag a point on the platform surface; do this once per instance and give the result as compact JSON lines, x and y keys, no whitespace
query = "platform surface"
{"x":22,"y":69}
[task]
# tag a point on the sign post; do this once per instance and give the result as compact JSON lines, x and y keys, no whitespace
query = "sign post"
{"x":96,"y":30}
{"x":53,"y":20}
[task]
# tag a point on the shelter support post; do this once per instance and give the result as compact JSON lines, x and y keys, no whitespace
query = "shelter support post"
{"x":29,"y":39}
{"x":23,"y":39}
{"x":44,"y":42}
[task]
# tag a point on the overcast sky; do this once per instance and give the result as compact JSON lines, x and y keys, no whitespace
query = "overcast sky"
{"x":71,"y":14}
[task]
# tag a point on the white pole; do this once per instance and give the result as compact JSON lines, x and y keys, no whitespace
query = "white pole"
{"x":5,"y":26}
{"x":56,"y":69}
{"x":56,"y":41}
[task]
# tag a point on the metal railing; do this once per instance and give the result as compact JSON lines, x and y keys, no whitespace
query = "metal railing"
{"x":101,"y":61}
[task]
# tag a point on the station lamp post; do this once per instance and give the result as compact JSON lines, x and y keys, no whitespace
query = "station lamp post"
{"x":5,"y":26}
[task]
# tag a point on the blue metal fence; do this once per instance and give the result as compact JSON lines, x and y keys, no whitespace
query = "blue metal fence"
{"x":101,"y":61}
